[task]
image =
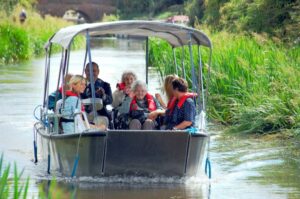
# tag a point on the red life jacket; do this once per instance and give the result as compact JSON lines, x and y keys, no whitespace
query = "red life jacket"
{"x":121,"y":86}
{"x":150,"y":101}
{"x":172,"y":102}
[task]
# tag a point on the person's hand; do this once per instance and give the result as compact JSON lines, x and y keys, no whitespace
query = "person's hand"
{"x":127,"y":90}
{"x":131,"y":94}
{"x":158,"y":96}
{"x":153,"y":115}
{"x":100,"y":91}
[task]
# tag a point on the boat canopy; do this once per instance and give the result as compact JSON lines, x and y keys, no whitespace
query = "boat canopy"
{"x":176,"y":35}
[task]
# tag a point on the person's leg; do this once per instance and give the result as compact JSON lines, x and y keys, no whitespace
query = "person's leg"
{"x":101,"y":121}
{"x":148,"y":125}
{"x":135,"y":124}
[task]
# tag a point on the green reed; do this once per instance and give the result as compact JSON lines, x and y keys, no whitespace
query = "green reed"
{"x":12,"y":187}
{"x":254,"y":84}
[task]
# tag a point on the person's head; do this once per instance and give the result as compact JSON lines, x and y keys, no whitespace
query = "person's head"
{"x":95,"y":68}
{"x":67,"y":81}
{"x":77,"y":84}
{"x":140,"y":89}
{"x":128,"y":77}
{"x":168,"y":85}
{"x":180,"y":86}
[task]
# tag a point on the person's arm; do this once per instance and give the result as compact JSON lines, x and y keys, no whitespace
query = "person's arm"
{"x":107,"y":96}
{"x":125,"y":107}
{"x":189,"y":115}
{"x":117,"y":98}
{"x":160,"y":100}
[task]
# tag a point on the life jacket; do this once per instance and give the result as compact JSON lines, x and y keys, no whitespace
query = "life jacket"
{"x":172,"y":102}
{"x":150,"y":101}
{"x":121,"y":86}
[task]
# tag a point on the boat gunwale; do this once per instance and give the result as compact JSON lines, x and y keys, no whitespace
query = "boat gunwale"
{"x":105,"y":133}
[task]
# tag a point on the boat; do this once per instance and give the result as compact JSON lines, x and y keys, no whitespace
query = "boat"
{"x":121,"y":152}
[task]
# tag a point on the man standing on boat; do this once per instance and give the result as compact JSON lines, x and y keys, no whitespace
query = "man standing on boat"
{"x":102,"y":90}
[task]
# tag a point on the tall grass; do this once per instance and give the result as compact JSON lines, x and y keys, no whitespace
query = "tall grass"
{"x":19,"y":42}
{"x":254,"y":85}
{"x":12,"y":187}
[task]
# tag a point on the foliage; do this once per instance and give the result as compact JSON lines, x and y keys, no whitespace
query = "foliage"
{"x":254,"y":84}
{"x":20,"y":42}
{"x":12,"y":188}
{"x":131,"y":8}
{"x":111,"y":17}
{"x":279,"y":18}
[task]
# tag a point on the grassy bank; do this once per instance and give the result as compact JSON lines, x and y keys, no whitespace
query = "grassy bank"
{"x":254,"y":81}
{"x":19,"y":42}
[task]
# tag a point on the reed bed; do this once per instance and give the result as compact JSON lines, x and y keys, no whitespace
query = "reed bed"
{"x":254,"y":84}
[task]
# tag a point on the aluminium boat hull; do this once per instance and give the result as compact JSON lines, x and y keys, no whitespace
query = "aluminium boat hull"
{"x":125,"y":152}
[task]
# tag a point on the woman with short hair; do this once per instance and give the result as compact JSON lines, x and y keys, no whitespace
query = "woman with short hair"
{"x":140,"y":107}
{"x":123,"y":88}
{"x":181,"y":111}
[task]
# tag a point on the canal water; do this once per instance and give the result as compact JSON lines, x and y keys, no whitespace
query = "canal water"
{"x":242,"y":167}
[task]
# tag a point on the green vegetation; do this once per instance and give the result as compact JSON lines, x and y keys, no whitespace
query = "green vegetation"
{"x":277,"y":18}
{"x":254,"y":85}
{"x":21,"y":42}
{"x":12,"y":188}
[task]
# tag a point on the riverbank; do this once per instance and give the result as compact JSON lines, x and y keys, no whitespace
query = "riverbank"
{"x":254,"y":84}
{"x":23,"y":41}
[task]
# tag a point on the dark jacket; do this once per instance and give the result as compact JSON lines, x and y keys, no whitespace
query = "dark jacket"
{"x":107,"y":98}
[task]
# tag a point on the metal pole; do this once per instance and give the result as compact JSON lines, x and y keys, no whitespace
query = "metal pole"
{"x":147,"y":59}
{"x":175,"y":61}
{"x":92,"y":81}
{"x":182,"y":63}
{"x":193,"y":72}
{"x":201,"y":78}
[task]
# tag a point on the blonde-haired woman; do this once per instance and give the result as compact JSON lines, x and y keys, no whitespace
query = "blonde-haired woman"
{"x":71,"y":120}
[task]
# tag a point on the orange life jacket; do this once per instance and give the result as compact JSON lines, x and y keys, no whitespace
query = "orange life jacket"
{"x":150,"y":101}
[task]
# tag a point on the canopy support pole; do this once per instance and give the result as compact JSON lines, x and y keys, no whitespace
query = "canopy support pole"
{"x":92,"y":81}
{"x":201,"y":79}
{"x":182,"y":63}
{"x":193,"y":72}
{"x":147,"y":59}
{"x":175,"y":61}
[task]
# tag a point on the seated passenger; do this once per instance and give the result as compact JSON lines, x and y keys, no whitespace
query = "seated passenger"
{"x":123,"y":88}
{"x":181,"y":111}
{"x":140,"y":106}
{"x":71,"y":112}
{"x":57,"y":95}
{"x":168,"y":89}
{"x":102,"y":90}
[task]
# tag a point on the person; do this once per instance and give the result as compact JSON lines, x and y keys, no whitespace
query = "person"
{"x":167,"y":89}
{"x":140,"y":106}
{"x":181,"y":112}
{"x":123,"y":88}
{"x":22,"y":16}
{"x":57,"y":95}
{"x":71,"y":119}
{"x":102,"y":90}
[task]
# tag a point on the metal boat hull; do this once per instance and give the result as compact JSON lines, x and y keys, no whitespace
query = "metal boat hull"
{"x":117,"y":152}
